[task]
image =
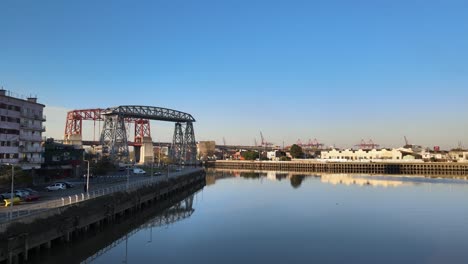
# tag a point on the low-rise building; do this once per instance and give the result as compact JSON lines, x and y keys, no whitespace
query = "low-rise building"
{"x":459,"y":155}
{"x":61,"y":160}
{"x":362,"y":155}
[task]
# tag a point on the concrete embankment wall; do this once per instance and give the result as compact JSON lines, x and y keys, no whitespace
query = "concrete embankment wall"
{"x":20,"y":237}
{"x":429,"y":169}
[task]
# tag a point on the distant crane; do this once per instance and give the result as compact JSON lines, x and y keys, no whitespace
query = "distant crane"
{"x":255,"y":141}
{"x":407,"y":144}
{"x":264,"y":142}
{"x":311,"y":144}
{"x":299,"y":143}
{"x":315,"y":144}
{"x":367,"y":145}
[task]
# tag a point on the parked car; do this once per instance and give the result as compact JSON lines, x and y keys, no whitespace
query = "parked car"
{"x":67,"y":184}
{"x":138,"y":171}
{"x":31,"y":191}
{"x":5,"y":195}
{"x":33,"y":194}
{"x":56,"y":187}
{"x":21,"y":193}
{"x":158,"y":173}
{"x":32,"y":197}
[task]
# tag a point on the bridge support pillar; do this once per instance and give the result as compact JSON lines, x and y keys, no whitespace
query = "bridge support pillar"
{"x":74,"y":139}
{"x":177,"y":144}
{"x":146,"y":151}
{"x":137,"y":152}
{"x":190,"y":145}
{"x":114,"y":138}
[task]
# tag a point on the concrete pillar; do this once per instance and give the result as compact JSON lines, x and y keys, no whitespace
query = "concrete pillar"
{"x":26,"y":249}
{"x":137,"y":152}
{"x":75,"y":140}
{"x":146,"y":151}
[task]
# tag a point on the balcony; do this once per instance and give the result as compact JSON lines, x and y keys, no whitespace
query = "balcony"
{"x":30,"y":138}
{"x":33,"y":116}
{"x":40,"y":117}
{"x":26,"y":126}
{"x":31,"y":160}
{"x":32,"y":149}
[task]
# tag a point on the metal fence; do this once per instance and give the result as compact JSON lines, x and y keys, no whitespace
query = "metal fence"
{"x":31,"y":209}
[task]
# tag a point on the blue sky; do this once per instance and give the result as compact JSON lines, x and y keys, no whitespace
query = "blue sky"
{"x":338,"y":71}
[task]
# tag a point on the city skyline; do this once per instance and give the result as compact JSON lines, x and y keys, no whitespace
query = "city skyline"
{"x":336,"y":71}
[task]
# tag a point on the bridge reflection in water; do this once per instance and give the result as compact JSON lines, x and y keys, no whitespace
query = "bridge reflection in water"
{"x":89,"y":247}
{"x":180,"y":211}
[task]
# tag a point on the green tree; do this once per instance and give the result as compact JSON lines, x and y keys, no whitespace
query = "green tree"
{"x":249,"y":155}
{"x":296,"y":151}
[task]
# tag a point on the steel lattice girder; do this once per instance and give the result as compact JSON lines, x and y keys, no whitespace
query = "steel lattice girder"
{"x":149,"y":112}
{"x":190,"y":145}
{"x":142,"y":129}
{"x":177,"y":143}
{"x":74,"y":122}
{"x":114,"y":137}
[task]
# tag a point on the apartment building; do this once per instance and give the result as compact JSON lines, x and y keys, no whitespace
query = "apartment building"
{"x":21,"y":127}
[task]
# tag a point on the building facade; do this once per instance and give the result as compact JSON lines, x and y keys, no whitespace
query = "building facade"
{"x":61,"y":160}
{"x":362,"y":155}
{"x":21,"y":127}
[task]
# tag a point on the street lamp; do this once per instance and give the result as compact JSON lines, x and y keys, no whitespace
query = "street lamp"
{"x":12,"y":184}
{"x":12,"y":187}
{"x":87,"y":176}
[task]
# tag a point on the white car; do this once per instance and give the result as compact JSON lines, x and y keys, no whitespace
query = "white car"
{"x":138,"y":171}
{"x":56,"y":187}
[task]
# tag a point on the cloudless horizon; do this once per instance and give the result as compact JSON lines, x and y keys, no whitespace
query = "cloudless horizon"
{"x":338,"y":71}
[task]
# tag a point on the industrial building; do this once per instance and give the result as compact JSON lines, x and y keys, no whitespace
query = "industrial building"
{"x":21,"y":130}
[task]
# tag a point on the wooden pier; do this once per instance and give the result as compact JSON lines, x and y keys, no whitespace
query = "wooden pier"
{"x":439,"y":169}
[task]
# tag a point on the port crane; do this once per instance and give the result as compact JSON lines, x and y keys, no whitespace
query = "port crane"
{"x":367,"y":145}
{"x":265,"y":143}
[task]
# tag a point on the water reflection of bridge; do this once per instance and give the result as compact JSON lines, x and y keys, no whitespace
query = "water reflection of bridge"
{"x":180,"y":211}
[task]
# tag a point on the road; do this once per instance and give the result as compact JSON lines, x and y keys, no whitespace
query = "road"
{"x":97,"y":185}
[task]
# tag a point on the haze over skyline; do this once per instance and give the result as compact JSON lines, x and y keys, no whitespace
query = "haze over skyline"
{"x":338,"y":71}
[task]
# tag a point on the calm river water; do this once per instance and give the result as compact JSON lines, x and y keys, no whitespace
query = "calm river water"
{"x":281,"y":217}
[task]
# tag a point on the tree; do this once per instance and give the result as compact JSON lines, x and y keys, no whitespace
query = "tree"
{"x":296,"y":151}
{"x":249,"y":155}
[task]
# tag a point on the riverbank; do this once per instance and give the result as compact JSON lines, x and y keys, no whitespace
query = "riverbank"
{"x":439,"y":169}
{"x":64,"y":223}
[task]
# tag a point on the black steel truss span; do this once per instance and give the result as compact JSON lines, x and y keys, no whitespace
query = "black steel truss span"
{"x":150,"y":112}
{"x":114,"y":136}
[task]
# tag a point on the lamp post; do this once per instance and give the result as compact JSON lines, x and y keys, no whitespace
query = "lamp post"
{"x":12,"y":184}
{"x":87,"y":175}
